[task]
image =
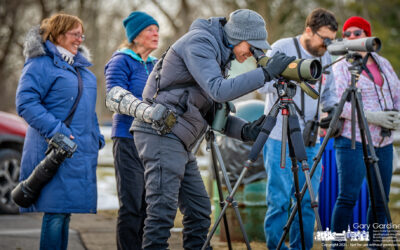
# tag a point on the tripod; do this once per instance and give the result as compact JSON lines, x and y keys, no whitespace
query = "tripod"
{"x":217,"y":160}
{"x":291,"y":132}
{"x":352,"y":94}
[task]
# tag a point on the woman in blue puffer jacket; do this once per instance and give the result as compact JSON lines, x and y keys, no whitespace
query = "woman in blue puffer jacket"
{"x":129,"y":69}
{"x":46,"y":93}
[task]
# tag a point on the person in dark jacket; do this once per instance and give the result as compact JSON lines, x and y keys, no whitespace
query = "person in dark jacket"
{"x":129,"y":69}
{"x":46,"y":93}
{"x":189,"y":80}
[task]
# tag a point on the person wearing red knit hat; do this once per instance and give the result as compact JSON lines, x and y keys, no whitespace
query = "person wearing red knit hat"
{"x":379,"y":87}
{"x":359,"y":22}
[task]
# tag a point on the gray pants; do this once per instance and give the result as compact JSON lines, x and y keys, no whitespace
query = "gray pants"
{"x":172,"y":179}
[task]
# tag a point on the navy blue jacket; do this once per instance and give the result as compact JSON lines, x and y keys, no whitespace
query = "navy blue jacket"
{"x":127,"y":70}
{"x":46,"y":92}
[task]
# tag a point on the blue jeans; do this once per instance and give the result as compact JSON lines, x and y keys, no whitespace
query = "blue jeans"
{"x":280,"y":193}
{"x":351,"y":172}
{"x":54,"y":231}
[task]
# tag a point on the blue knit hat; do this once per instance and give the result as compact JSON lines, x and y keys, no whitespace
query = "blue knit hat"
{"x":136,"y":22}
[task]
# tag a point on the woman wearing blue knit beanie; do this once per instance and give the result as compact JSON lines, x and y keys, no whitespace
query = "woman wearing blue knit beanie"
{"x":129,"y":68}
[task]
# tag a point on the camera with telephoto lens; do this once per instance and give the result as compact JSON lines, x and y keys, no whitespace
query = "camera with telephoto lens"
{"x":27,"y":191}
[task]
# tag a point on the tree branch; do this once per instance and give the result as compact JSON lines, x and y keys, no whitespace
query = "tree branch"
{"x":166,"y":14}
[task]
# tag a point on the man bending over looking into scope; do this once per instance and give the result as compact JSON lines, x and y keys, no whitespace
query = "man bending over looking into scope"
{"x":320,"y":24}
{"x":188,"y":81}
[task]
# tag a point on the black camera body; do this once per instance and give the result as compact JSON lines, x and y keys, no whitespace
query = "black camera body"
{"x":27,"y":191}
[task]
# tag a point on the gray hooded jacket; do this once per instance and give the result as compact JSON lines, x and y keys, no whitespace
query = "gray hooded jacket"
{"x":192,"y":80}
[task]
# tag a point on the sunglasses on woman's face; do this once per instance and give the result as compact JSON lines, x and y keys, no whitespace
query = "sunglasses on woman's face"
{"x":355,"y":33}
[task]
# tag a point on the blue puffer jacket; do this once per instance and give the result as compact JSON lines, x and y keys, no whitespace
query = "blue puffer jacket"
{"x":127,"y":70}
{"x":45,"y":95}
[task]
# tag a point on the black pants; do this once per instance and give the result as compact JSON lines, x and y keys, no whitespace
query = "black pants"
{"x":129,"y":173}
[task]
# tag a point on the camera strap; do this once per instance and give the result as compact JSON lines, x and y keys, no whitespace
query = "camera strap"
{"x":371,"y":77}
{"x":301,"y":111}
{"x":319,"y":96}
{"x":68,"y":120}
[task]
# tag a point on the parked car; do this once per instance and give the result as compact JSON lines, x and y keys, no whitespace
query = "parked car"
{"x":12,"y":134}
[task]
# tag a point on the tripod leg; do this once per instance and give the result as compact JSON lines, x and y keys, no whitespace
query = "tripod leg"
{"x":266,"y":129}
{"x":268,"y":125}
{"x":299,"y":151}
{"x":296,"y":144}
{"x":229,"y":199}
{"x":353,"y":120}
{"x":221,"y":196}
{"x":318,"y":157}
{"x":295,"y":169}
{"x":374,"y":160}
{"x":284,"y":139}
{"x":217,"y":152}
{"x":368,"y":161}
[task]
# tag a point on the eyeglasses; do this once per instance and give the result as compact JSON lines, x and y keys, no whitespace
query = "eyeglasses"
{"x":322,"y":37}
{"x":355,"y":33}
{"x":325,"y":39}
{"x":77,"y":35}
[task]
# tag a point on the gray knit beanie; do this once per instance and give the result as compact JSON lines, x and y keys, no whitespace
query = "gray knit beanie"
{"x":247,"y":25}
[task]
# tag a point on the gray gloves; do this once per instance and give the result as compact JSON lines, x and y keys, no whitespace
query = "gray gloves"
{"x":386,"y":119}
{"x":276,"y":65}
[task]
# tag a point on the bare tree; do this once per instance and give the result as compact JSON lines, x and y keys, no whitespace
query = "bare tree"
{"x":9,"y":33}
{"x":104,"y":30}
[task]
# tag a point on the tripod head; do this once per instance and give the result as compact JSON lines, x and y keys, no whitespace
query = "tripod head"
{"x":356,"y":60}
{"x":285,"y":88}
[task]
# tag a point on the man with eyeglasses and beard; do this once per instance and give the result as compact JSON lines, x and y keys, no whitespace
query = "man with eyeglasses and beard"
{"x":320,"y":24}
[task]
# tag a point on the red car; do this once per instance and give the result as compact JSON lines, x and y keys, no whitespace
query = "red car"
{"x":12,"y":134}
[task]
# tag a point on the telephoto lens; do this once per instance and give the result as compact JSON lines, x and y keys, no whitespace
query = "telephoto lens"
{"x":28,"y":191}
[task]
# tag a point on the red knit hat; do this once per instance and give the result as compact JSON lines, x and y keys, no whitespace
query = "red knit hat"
{"x":356,"y":21}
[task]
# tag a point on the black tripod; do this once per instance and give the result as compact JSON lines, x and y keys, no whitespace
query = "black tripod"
{"x":353,"y":95}
{"x":291,"y":132}
{"x":217,"y":160}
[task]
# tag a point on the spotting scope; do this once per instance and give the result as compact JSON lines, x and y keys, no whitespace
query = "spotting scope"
{"x":343,"y":46}
{"x":303,"y":71}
